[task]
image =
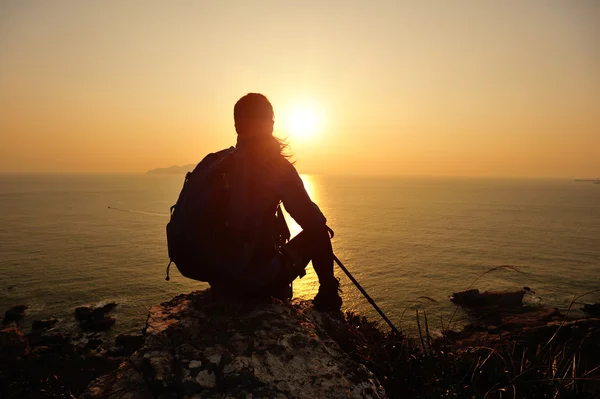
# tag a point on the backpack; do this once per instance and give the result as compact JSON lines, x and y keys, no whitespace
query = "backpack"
{"x":198,"y":238}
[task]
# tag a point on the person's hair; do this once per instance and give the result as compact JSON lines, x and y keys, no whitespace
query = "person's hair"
{"x":284,"y":149}
{"x":257,"y":107}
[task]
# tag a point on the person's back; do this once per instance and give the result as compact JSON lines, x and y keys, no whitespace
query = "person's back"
{"x":262,"y":178}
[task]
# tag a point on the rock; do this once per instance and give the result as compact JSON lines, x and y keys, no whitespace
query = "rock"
{"x":39,"y":325}
{"x":592,"y":309}
{"x":48,"y":338}
{"x":83,"y":313}
{"x":13,"y":343}
{"x":97,"y":324}
{"x":88,"y":312}
{"x":493,"y":308}
{"x":194,"y":346}
{"x":93,"y":343}
{"x":194,"y":364}
{"x":16,"y":313}
{"x":49,"y":363}
{"x":498,"y":313}
{"x":109,"y":307}
{"x":127,"y":344}
{"x":133,"y":341}
{"x":206,"y":379}
{"x":530,"y":318}
{"x":94,"y":319}
{"x":124,"y":383}
{"x":474,"y":299}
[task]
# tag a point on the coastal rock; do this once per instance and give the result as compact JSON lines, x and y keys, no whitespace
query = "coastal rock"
{"x":95,"y":319}
{"x":196,"y":347}
{"x":134,"y":341}
{"x":127,"y":344}
{"x":83,"y":313}
{"x":473,"y":299}
{"x":48,"y":339}
{"x":529,"y":317}
{"x":592,"y":310}
{"x":13,"y":343}
{"x":109,"y":307}
{"x":16,"y":313}
{"x":534,"y":332}
{"x":500,"y":312}
{"x":48,"y":363}
{"x":39,"y":325}
{"x":93,"y":343}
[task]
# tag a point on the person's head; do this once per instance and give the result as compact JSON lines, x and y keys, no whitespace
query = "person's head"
{"x":253,"y":115}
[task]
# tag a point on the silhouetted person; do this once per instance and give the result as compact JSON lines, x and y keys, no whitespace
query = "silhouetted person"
{"x":263,"y":263}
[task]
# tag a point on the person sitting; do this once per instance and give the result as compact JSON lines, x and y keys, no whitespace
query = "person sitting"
{"x":265,"y":177}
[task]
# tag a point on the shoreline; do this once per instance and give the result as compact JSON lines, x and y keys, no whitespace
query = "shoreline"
{"x":497,"y":320}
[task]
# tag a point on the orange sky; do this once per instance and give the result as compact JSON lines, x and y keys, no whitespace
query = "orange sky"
{"x":508,"y":88}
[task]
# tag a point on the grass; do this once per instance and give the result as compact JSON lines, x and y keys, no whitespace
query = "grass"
{"x":519,"y":367}
{"x":561,"y":360}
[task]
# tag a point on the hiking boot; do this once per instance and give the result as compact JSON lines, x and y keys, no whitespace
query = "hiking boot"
{"x":328,"y":299}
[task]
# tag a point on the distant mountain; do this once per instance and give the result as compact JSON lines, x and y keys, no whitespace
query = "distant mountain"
{"x":172,"y":170}
{"x":180,"y":170}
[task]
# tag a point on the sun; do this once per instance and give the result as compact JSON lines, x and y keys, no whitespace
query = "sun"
{"x":302,"y":122}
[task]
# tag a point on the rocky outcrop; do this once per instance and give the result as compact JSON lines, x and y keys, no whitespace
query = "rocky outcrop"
{"x":591,"y":309}
{"x":475,"y":300}
{"x":40,"y":325}
{"x":47,"y":363}
{"x":13,"y":344}
{"x":500,"y":317}
{"x":195,"y":347}
{"x":95,"y":319}
{"x":502,"y":311}
{"x":16,"y":313}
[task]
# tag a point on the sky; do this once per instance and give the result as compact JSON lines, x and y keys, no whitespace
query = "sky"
{"x":443,"y":88}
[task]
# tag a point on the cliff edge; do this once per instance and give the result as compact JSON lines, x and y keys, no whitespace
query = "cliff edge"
{"x":196,"y":347}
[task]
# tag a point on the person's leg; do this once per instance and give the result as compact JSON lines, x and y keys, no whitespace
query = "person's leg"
{"x":315,"y":246}
{"x":273,"y":277}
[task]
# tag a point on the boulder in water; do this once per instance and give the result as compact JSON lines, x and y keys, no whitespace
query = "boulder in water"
{"x":591,"y":309}
{"x":473,"y":299}
{"x":95,"y":319}
{"x":16,"y":313}
{"x":504,"y":310}
{"x":45,"y":324}
{"x":109,"y":307}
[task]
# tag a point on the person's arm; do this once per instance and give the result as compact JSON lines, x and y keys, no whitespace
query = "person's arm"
{"x":298,"y":203}
{"x":308,"y":215}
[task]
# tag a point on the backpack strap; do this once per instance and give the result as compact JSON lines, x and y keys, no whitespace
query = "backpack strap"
{"x":168,"y":267}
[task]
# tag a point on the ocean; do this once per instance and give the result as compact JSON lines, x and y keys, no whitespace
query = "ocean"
{"x":72,"y":240}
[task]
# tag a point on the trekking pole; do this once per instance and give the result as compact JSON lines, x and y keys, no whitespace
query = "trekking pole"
{"x":362,"y":290}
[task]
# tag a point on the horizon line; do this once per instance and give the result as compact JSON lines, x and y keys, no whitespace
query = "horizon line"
{"x":146,"y":173}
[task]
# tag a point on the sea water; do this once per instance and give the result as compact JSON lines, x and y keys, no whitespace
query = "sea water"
{"x":72,"y":240}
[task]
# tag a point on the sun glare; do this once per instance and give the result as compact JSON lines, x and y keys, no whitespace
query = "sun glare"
{"x":302,"y":122}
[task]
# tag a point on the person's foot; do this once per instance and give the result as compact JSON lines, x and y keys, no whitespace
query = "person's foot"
{"x":328,"y":299}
